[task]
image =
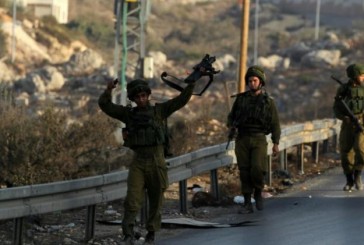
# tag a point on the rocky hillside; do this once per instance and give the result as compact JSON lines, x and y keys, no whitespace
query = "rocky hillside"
{"x":71,"y":72}
{"x":66,"y":67}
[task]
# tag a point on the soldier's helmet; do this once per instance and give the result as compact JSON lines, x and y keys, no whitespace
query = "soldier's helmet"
{"x":136,"y":86}
{"x":256,"y":71}
{"x":354,"y":70}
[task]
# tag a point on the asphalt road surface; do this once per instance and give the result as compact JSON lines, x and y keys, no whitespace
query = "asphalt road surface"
{"x":316,"y":212}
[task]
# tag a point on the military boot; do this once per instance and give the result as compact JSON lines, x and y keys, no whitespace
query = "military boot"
{"x":357,"y":180}
{"x":247,"y":208}
{"x":128,"y":240}
{"x":349,"y":182}
{"x":149,"y":239}
{"x":258,"y":199}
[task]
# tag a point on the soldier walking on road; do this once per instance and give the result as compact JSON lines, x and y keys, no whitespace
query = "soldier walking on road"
{"x":254,"y":115}
{"x":351,"y":139}
{"x":145,"y":135}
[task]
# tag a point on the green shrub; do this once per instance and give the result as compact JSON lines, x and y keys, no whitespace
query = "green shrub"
{"x":51,"y":26}
{"x":100,"y":33}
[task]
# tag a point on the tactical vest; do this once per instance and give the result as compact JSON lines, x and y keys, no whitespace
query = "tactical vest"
{"x":355,"y":99}
{"x":144,"y":128}
{"x":254,"y":113}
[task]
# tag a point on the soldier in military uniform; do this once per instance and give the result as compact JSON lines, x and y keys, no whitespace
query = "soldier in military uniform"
{"x":351,"y":140}
{"x":145,"y":135}
{"x":254,"y":115}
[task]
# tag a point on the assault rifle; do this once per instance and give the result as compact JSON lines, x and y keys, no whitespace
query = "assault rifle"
{"x":351,"y":115}
{"x":204,"y":68}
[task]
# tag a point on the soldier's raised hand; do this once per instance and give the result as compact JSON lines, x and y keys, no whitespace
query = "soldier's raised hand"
{"x":112,"y":84}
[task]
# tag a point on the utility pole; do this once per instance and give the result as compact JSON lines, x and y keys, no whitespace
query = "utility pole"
{"x":13,"y":47}
{"x":131,"y":16}
{"x":256,"y":31}
{"x":117,"y":11}
{"x":244,"y":44}
{"x":317,"y":24}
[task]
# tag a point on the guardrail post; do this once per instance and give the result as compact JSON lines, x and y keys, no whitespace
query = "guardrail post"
{"x":90,"y":222}
{"x":335,"y":143}
{"x":315,"y":151}
{"x":325,"y":146}
{"x":18,"y":231}
{"x":283,"y":160}
{"x":183,"y":196}
{"x":301,"y":158}
{"x":214,"y":184}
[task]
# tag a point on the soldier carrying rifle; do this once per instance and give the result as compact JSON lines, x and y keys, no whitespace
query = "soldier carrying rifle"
{"x":349,"y":107}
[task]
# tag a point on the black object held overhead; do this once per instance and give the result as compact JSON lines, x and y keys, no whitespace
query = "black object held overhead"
{"x":204,"y":68}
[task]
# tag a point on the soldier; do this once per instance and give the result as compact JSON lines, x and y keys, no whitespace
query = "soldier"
{"x":145,"y":135}
{"x":351,"y":140}
{"x":254,"y":115}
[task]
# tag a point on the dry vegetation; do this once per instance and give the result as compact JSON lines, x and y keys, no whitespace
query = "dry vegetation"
{"x":45,"y":148}
{"x":31,"y":144}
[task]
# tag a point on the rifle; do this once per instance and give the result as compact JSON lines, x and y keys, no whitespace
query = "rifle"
{"x":352,"y":117}
{"x":204,"y":68}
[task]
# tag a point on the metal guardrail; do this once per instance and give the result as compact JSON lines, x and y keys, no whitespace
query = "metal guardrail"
{"x":19,"y":202}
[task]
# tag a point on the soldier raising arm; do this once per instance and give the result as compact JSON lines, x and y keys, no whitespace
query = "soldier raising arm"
{"x":146,"y":137}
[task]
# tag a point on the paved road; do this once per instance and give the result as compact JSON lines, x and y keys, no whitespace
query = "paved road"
{"x":322,"y":214}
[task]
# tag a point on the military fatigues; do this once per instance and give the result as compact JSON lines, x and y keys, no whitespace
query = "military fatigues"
{"x":146,"y":136}
{"x":351,"y":141}
{"x":255,"y":117}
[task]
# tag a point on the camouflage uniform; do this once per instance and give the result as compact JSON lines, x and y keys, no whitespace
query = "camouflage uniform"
{"x":254,"y":116}
{"x":351,"y":141}
{"x":146,"y":137}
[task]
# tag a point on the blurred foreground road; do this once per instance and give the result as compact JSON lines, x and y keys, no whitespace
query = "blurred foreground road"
{"x":316,"y":212}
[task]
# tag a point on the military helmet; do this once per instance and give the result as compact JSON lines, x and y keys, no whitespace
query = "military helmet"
{"x":256,"y":71}
{"x":354,"y":70}
{"x":136,"y":86}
